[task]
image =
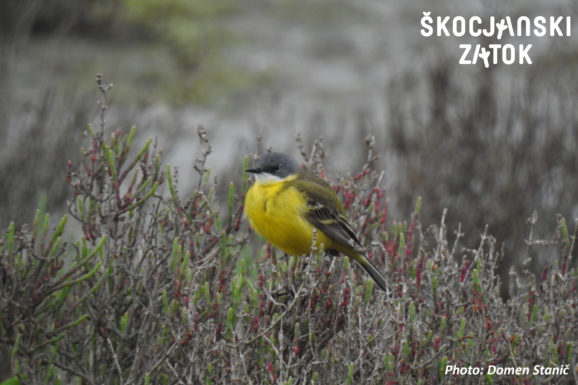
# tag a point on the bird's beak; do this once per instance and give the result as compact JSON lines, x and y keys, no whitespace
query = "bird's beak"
{"x":255,"y":170}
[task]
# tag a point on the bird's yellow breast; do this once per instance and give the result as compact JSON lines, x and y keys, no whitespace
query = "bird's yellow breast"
{"x":277,"y":212}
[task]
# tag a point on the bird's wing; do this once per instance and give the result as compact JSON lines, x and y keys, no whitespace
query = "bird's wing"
{"x":325,"y":211}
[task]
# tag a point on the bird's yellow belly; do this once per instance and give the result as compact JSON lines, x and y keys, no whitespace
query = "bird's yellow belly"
{"x":278,"y":215}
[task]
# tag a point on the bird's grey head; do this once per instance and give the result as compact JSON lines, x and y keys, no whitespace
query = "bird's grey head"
{"x":274,"y":165}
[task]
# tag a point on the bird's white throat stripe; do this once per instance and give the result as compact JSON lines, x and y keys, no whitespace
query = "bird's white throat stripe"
{"x":267,"y":178}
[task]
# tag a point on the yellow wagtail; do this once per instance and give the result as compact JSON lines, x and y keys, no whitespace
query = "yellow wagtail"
{"x":286,"y":203}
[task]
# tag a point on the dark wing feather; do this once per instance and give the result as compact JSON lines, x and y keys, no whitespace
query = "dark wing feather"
{"x":325,"y":212}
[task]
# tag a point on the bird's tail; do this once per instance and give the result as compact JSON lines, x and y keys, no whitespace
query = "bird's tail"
{"x":377,"y":275}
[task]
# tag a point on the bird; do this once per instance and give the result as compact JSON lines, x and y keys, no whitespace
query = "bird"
{"x":287,"y":202}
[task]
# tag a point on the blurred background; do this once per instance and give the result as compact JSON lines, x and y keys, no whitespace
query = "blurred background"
{"x":490,"y":145}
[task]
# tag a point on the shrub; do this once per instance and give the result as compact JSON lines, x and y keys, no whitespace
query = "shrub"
{"x":491,"y":146}
{"x":157,"y":289}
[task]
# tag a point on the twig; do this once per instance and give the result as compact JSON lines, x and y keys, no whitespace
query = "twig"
{"x":115,"y":360}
